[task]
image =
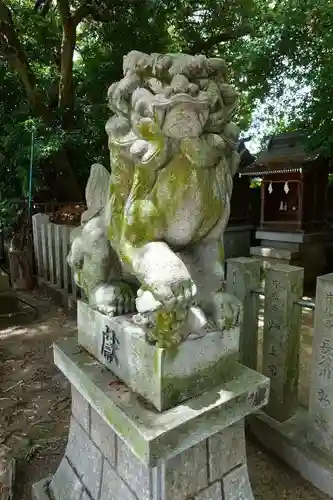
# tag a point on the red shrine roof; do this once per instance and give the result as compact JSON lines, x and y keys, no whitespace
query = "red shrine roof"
{"x":284,"y":153}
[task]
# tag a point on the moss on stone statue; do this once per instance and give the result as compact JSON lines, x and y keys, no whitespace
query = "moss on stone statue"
{"x":82,"y":282}
{"x":151,"y":202}
{"x":157,"y":362}
{"x":221,"y":253}
{"x":166,"y":330}
{"x":151,"y":132}
{"x":178,"y":389}
{"x":154,"y":199}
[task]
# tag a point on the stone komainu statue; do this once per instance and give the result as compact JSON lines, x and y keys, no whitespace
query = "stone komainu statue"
{"x":151,"y":240}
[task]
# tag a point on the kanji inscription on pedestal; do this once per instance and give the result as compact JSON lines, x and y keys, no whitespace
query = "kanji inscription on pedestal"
{"x":321,"y":391}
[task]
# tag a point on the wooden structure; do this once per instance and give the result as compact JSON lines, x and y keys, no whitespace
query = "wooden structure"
{"x":293,"y":203}
{"x":237,"y":237}
{"x":294,"y":185}
{"x":239,"y":213}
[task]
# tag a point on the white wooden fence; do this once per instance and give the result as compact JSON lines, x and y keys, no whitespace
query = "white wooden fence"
{"x":51,"y":246}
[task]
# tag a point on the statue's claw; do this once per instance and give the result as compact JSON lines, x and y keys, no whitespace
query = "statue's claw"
{"x":184,"y":292}
{"x":166,"y":297}
{"x":227,"y":311}
{"x":165,"y":319}
{"x":113,"y":299}
{"x":146,"y":302}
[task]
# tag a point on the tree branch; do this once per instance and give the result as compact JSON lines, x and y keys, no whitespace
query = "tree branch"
{"x":81,"y":13}
{"x":209,"y":43}
{"x":13,"y":52}
{"x":43,"y":7}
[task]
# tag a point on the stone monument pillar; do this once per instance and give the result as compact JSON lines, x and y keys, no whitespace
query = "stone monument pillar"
{"x":158,"y":396}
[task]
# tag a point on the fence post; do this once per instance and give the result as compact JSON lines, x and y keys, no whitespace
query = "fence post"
{"x":45,"y":243}
{"x":64,"y":231}
{"x":58,"y":257}
{"x":243,"y":276}
{"x":282,"y":322}
{"x":320,"y":429}
{"x":38,"y":221}
{"x":51,"y":251}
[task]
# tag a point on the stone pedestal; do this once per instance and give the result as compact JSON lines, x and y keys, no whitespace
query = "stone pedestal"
{"x":161,"y":377}
{"x":281,"y":346}
{"x":321,"y":390}
{"x":243,"y":276}
{"x":299,"y":249}
{"x":304,"y":440}
{"x":121,"y":447}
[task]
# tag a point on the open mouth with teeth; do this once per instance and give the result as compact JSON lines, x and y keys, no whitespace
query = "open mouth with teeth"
{"x":180,"y":115}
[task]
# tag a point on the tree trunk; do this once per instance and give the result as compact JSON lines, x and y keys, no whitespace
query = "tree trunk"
{"x":34,"y":96}
{"x":21,"y":269}
{"x":66,"y":86}
{"x":20,"y":256}
{"x":12,"y":50}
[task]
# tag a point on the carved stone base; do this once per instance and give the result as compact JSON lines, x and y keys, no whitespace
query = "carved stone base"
{"x":98,"y":465}
{"x":164,"y":379}
{"x":120,"y":448}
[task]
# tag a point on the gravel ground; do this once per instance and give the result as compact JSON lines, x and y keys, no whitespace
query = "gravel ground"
{"x":35,"y":406}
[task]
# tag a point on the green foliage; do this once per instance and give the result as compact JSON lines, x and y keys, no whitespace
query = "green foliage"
{"x":97,"y":63}
{"x":255,"y":183}
{"x":265,"y":43}
{"x":8,"y":213}
{"x":101,"y":48}
{"x":298,"y":48}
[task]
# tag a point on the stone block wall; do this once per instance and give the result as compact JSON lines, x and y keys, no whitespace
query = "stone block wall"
{"x":98,"y":465}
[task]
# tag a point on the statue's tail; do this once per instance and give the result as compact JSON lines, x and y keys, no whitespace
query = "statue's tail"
{"x":97,"y":191}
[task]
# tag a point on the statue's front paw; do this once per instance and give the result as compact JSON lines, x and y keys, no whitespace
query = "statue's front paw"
{"x":227,"y":311}
{"x":113,"y":299}
{"x":165,"y":296}
{"x":164,"y":327}
{"x":165,"y":316}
